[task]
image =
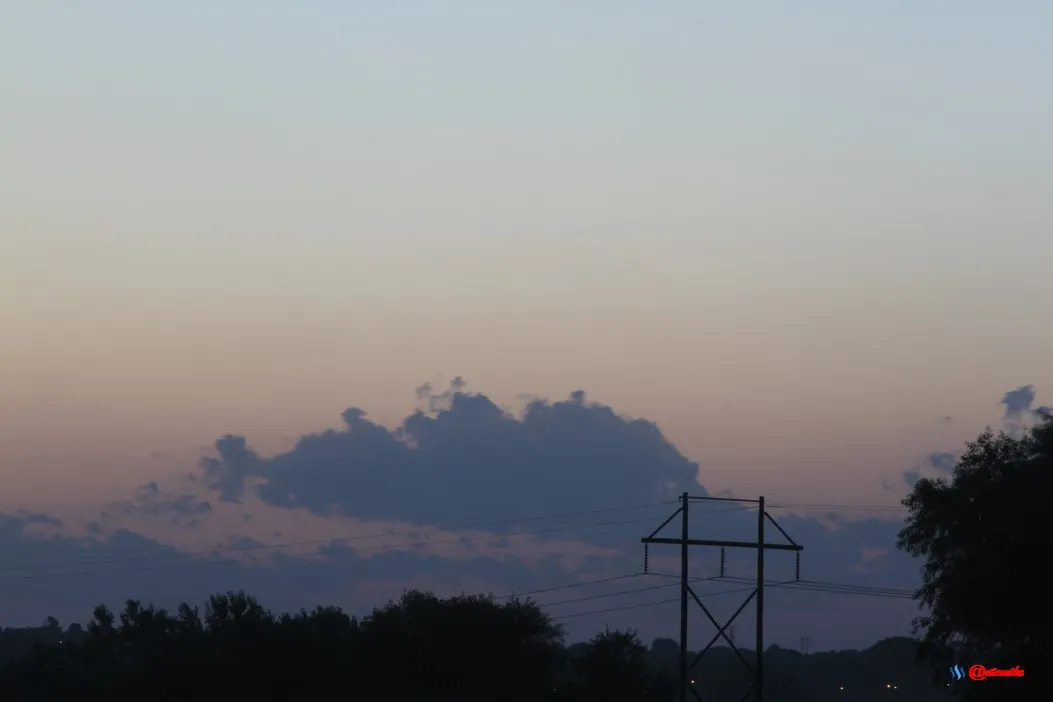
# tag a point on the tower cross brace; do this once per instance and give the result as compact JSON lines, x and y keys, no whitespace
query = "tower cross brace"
{"x":756,"y":671}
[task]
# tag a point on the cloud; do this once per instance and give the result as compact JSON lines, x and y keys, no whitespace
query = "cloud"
{"x":149,"y":499}
{"x":27,"y":517}
{"x":66,"y":577}
{"x":461,"y":458}
{"x":943,"y":461}
{"x":937,"y":464}
{"x":1018,"y":402}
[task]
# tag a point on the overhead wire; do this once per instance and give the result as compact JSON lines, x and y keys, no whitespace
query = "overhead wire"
{"x":646,"y":604}
{"x":779,"y":584}
{"x":833,"y":588}
{"x":837,"y":507}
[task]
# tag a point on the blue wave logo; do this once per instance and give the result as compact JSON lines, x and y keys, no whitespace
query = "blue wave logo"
{"x":957,"y":672}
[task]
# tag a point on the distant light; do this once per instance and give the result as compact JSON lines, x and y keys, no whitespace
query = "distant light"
{"x":842,"y":688}
{"x":888,"y":686}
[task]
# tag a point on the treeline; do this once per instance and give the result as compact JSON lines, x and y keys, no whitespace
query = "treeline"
{"x":419,"y":648}
{"x":422,"y":647}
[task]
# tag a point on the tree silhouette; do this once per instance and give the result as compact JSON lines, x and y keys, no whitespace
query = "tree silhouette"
{"x":982,"y":534}
{"x":614,"y":667}
{"x":420,"y":647}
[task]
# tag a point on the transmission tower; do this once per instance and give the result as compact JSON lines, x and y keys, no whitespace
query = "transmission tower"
{"x":686,"y":592}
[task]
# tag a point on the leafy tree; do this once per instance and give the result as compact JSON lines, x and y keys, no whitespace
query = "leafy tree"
{"x":613,"y":667}
{"x":983,"y":536}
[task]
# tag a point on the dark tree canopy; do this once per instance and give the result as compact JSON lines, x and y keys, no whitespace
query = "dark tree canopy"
{"x":984,"y":535}
{"x":418,"y":648}
{"x":459,"y":649}
{"x":613,"y":667}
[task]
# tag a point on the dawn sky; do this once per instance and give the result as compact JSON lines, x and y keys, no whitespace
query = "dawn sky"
{"x":795,"y":237}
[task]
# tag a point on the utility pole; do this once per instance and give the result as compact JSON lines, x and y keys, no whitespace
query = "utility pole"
{"x":759,"y":684}
{"x":757,"y":671}
{"x":685,"y":588}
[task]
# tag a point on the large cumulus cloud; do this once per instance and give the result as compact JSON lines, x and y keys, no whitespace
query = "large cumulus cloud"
{"x":462,"y":457}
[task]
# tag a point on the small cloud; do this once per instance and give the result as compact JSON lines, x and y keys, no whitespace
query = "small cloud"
{"x":942,"y":461}
{"x":149,"y":499}
{"x":243,"y":543}
{"x":37,"y":518}
{"x":1018,"y":402}
{"x":869,"y":558}
{"x":336,"y":548}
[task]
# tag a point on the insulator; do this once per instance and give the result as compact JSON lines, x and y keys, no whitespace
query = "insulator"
{"x":722,"y":561}
{"x":646,"y":558}
{"x":798,"y":566}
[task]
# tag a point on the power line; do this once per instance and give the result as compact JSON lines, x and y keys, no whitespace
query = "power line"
{"x":905,"y":594}
{"x":320,"y":542}
{"x":843,"y":508}
{"x":569,"y":586}
{"x":810,"y":585}
{"x":621,"y":592}
{"x":850,"y":586}
{"x":833,"y":588}
{"x":647,"y":604}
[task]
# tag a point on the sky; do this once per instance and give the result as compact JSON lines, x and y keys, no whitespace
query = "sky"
{"x":809,"y":245}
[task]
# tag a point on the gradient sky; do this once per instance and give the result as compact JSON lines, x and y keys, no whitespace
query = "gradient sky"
{"x":794,"y":237}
